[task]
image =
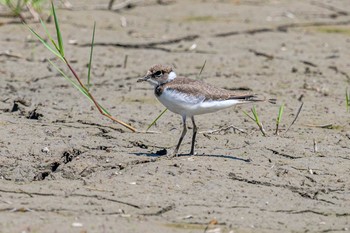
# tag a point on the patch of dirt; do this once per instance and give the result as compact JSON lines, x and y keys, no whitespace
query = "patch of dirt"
{"x":64,"y":167}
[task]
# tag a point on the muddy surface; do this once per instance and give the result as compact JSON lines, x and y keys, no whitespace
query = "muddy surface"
{"x":66,"y":168}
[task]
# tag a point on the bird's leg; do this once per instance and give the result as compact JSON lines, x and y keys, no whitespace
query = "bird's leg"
{"x":193,"y":135}
{"x":184,"y":131}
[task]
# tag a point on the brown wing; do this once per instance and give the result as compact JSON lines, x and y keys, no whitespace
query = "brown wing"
{"x":202,"y":89}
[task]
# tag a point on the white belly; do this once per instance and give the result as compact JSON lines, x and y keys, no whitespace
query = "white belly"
{"x":188,"y":105}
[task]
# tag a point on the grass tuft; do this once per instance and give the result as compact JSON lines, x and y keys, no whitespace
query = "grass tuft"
{"x":18,"y":6}
{"x":58,"y":50}
{"x":256,"y":119}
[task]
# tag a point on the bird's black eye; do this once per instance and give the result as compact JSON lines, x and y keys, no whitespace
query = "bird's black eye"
{"x":158,"y":73}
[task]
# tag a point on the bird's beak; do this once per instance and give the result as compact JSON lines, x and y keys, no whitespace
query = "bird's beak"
{"x":144,"y":78}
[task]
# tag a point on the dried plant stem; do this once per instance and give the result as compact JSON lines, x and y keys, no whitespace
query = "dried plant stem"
{"x":325,"y":126}
{"x":202,"y":68}
{"x":296,"y":117}
{"x":90,"y":60}
{"x":347,"y":100}
{"x":110,"y":4}
{"x":315,"y":146}
{"x":33,"y":12}
{"x":125,"y":61}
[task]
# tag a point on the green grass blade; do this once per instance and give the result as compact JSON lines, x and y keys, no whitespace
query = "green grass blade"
{"x":279,"y":118}
{"x":37,"y":4}
{"x":58,"y":31}
{"x":47,"y":31}
{"x":257,"y":121}
{"x":104,"y":110}
{"x":45,"y":43}
{"x":3,"y":2}
{"x":19,"y":7}
{"x":91,"y":51}
{"x":280,"y":112}
{"x":18,"y":4}
{"x":77,"y":86}
{"x":156,"y":119}
{"x":256,"y":117}
{"x":249,"y":116}
{"x":51,"y":39}
{"x":48,"y":34}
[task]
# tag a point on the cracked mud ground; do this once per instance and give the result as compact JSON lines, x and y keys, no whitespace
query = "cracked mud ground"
{"x":65,"y":168}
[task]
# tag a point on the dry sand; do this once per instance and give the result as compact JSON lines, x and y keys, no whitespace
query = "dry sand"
{"x":71,"y":170}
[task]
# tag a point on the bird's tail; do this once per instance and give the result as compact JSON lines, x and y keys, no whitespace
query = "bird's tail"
{"x":254,"y":98}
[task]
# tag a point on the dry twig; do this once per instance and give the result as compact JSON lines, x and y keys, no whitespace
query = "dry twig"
{"x":296,"y":117}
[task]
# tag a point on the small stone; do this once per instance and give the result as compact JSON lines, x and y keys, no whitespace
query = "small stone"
{"x":77,"y":224}
{"x":45,"y":150}
{"x":194,"y":46}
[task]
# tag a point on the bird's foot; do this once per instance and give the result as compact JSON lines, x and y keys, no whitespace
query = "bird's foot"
{"x":172,"y":155}
{"x":192,"y":153}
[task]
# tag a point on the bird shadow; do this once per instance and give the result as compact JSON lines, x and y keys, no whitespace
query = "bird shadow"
{"x":225,"y":157}
{"x":147,"y":154}
{"x":157,"y":155}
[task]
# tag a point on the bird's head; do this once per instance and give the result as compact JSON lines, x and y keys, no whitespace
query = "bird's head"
{"x":158,"y":74}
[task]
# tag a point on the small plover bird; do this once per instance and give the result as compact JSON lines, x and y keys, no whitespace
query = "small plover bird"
{"x":188,"y":97}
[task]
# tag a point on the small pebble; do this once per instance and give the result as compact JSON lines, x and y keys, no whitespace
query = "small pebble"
{"x":77,"y":224}
{"x":45,"y":150}
{"x":194,"y":46}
